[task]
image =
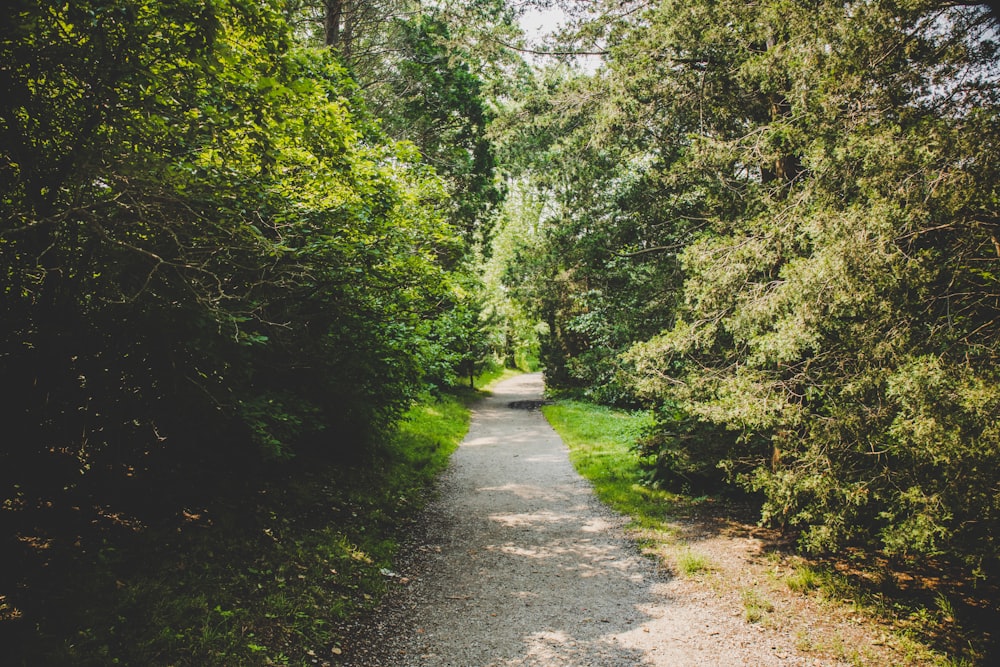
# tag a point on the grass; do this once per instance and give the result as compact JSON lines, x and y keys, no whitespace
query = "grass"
{"x":266,"y":578}
{"x":804,"y":579}
{"x":755,"y":606}
{"x":691,"y":563}
{"x":913,"y":624}
{"x":600,"y":441}
{"x":493,"y":375}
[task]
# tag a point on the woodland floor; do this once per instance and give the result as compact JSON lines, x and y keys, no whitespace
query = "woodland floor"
{"x":517,"y":563}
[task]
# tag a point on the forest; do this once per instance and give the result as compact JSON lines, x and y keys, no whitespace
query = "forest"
{"x":243,"y":240}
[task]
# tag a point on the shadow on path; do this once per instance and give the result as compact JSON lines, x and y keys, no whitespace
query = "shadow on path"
{"x":521,"y":565}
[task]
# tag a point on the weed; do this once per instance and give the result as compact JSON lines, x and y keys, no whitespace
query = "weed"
{"x":691,"y":563}
{"x":755,"y":606}
{"x":945,"y":607}
{"x":804,"y":642}
{"x":804,"y":579}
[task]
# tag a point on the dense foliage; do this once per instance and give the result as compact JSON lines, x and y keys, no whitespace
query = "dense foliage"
{"x":777,"y":224}
{"x":239,"y":233}
{"x":219,"y":264}
{"x":213,"y":254}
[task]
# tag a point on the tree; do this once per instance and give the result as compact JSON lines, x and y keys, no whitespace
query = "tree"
{"x":805,"y":314}
{"x":211,"y":253}
{"x":436,"y":100}
{"x":424,"y":72}
{"x":803,"y":196}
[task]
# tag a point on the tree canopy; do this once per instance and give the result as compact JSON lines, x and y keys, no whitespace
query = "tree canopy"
{"x":208,"y":241}
{"x":776,"y":223}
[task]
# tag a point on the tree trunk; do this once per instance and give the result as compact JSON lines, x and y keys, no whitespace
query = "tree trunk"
{"x":334,"y":15}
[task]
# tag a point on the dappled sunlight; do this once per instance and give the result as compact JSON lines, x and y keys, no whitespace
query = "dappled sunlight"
{"x":479,"y":442}
{"x":34,"y":542}
{"x":515,"y":550}
{"x":559,"y":647}
{"x":547,"y":517}
{"x":525,"y":436}
{"x":525,"y":595}
{"x":596,"y":525}
{"x":532,"y":518}
{"x":8,"y":612}
{"x":581,"y":557}
{"x":529,"y":571}
{"x":550,"y":458}
{"x":546,"y":647}
{"x":529,"y":491}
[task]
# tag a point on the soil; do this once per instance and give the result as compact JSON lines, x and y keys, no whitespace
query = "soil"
{"x":518,"y":564}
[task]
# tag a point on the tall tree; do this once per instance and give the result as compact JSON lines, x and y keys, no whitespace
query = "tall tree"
{"x":428,"y":72}
{"x":814,"y":186}
{"x":210,"y":251}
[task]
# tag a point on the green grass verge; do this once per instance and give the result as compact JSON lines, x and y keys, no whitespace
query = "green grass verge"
{"x":600,"y":444}
{"x":263,"y":579}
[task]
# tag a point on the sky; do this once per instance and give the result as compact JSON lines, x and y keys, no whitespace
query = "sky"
{"x":538,"y":23}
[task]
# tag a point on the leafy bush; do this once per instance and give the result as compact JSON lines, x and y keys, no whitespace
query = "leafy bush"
{"x":681,"y":453}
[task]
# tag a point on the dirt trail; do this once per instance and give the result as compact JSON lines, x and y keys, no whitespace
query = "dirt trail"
{"x":518,"y":564}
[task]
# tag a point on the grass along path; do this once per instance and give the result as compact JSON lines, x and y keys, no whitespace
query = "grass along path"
{"x":516,"y":563}
{"x":265,"y":576}
{"x":711,"y":548}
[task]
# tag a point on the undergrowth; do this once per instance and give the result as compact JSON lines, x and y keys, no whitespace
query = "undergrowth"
{"x":260,"y":577}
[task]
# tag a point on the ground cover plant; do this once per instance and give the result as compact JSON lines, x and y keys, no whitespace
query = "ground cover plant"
{"x":261,"y":574}
{"x":917,"y":617}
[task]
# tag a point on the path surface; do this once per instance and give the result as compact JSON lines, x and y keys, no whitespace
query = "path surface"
{"x":518,"y":564}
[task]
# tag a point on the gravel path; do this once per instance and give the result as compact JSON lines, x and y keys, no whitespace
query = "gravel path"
{"x":518,"y":564}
